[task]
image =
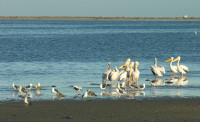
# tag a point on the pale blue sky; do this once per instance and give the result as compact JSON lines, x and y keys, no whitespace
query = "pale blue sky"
{"x":103,"y":8}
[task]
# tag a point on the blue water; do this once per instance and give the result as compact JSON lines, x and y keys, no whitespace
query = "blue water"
{"x":66,"y":53}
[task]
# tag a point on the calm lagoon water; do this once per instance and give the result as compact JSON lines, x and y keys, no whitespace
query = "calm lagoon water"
{"x":66,"y":53}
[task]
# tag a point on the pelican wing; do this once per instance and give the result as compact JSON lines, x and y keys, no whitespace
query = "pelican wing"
{"x":113,"y":75}
{"x":162,"y":69}
{"x":156,"y":71}
{"x":122,"y":76}
{"x":185,"y":68}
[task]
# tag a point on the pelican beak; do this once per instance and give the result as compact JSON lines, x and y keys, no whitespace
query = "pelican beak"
{"x":122,"y":66}
{"x":168,"y":60}
{"x":175,"y":60}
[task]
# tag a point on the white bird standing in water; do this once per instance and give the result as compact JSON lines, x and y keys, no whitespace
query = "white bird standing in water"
{"x":105,"y":74}
{"x":182,"y":69}
{"x":129,"y":73}
{"x":85,"y":95}
{"x":15,"y":86}
{"x":27,"y":101}
{"x":113,"y":75}
{"x":136,"y":73}
{"x":157,"y":70}
{"x":172,"y":68}
{"x":123,"y":75}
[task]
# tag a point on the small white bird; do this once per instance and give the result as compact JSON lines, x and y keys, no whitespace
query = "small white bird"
{"x":53,"y":90}
{"x":27,"y":101}
{"x":103,"y":86}
{"x":15,"y":86}
{"x":141,"y":87}
{"x":29,"y":87}
{"x":38,"y":87}
{"x":85,"y":95}
{"x":76,"y":88}
{"x":21,"y":89}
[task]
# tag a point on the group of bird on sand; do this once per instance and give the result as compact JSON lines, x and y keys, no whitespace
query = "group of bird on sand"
{"x":25,"y":91}
{"x":127,"y":77}
{"x":130,"y":74}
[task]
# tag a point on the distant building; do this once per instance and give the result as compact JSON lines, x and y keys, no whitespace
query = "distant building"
{"x":185,"y":16}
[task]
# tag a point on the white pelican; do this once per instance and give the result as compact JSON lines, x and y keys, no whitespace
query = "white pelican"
{"x":182,"y":69}
{"x":123,"y":74}
{"x":130,"y":71}
{"x":113,"y":75}
{"x":172,"y":68}
{"x":136,"y":73}
{"x":125,"y":63}
{"x":105,"y":74}
{"x":157,"y":70}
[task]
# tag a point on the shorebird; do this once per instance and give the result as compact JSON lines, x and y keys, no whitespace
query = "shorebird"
{"x":60,"y":95}
{"x":15,"y":86}
{"x":91,"y":93}
{"x":76,"y":88}
{"x":85,"y":95}
{"x":141,"y":87}
{"x":53,"y":90}
{"x":27,"y":101}
{"x":38,"y":87}
{"x":103,"y":86}
{"x":29,"y":87}
{"x":21,"y":89}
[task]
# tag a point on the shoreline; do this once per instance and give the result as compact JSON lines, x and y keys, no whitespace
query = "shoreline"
{"x":180,"y":109}
{"x":100,"y":18}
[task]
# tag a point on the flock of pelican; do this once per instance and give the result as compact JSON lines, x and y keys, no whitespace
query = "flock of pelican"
{"x":130,"y":73}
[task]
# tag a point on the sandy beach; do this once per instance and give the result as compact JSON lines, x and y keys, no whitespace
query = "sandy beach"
{"x":179,"y":109}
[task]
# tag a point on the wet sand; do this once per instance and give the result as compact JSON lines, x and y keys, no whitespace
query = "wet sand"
{"x":103,"y":110}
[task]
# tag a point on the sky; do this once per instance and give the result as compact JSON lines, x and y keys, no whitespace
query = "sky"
{"x":101,"y":8}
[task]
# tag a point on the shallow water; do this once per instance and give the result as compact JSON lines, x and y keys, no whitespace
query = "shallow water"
{"x":66,"y":53}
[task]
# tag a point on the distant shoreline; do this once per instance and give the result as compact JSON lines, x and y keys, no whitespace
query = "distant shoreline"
{"x":100,"y":18}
